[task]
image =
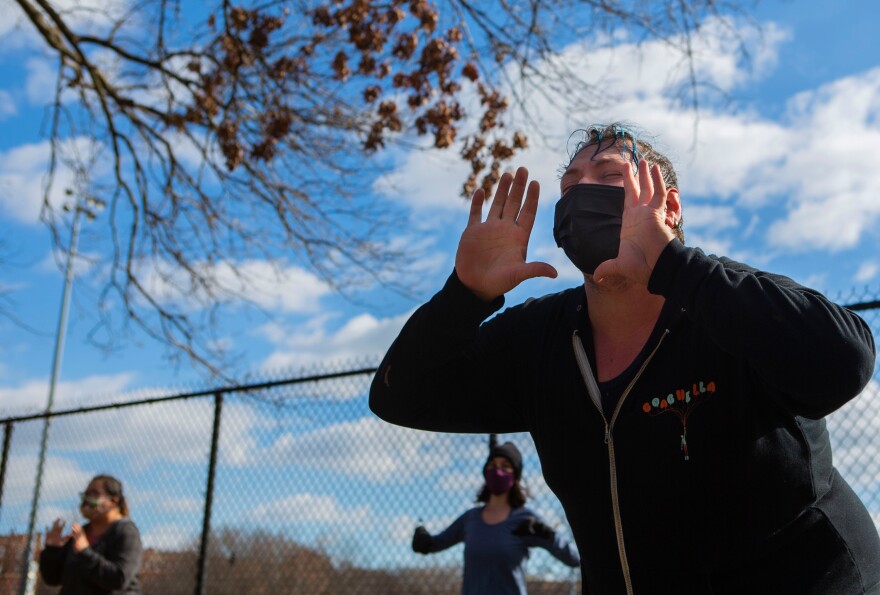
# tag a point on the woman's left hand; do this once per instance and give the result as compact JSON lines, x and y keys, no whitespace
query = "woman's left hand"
{"x":644,"y":232}
{"x":80,"y":541}
{"x":531,"y":526}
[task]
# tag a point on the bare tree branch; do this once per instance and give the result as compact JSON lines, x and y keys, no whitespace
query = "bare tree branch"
{"x":246,"y":138}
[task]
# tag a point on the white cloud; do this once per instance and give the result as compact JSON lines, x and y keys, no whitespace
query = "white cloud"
{"x":11,"y":18}
{"x":458,"y":481}
{"x":22,"y":173}
{"x":657,"y":67}
{"x":715,"y":217}
{"x":423,"y":179}
{"x":867,"y":271}
{"x":168,"y":537}
{"x":312,"y":508}
{"x":59,"y":474}
{"x":23,"y":176}
{"x":399,"y":530}
{"x":83,"y":16}
{"x":272,"y":286}
{"x":178,"y":504}
{"x":363,"y":334}
{"x":32,"y":396}
{"x":367,"y":447}
{"x":830,"y":170}
{"x":41,"y":81}
{"x":177,"y":431}
{"x":284,"y":288}
{"x":824,"y":223}
{"x":711,"y":245}
{"x":817,"y":280}
{"x":554,"y":256}
{"x":7,"y":105}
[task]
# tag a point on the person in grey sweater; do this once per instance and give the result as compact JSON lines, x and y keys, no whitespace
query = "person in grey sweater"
{"x":103,"y":557}
{"x":497,"y":535}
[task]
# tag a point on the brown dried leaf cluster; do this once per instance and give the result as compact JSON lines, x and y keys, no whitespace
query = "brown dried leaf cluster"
{"x":410,"y":73}
{"x":402,"y":37}
{"x":477,"y":151}
{"x":240,"y":55}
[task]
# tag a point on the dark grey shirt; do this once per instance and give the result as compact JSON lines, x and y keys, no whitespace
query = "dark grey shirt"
{"x":110,"y":566}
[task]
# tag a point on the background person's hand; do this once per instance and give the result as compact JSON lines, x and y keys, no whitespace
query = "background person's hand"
{"x":422,"y":541}
{"x":531,"y":526}
{"x":78,"y":534}
{"x":491,"y":256}
{"x":54,"y":535}
{"x":644,"y":232}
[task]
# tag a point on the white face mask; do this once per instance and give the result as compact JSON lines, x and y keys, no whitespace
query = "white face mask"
{"x":92,"y":507}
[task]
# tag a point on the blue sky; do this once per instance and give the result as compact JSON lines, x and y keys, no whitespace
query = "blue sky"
{"x":781,"y":172}
{"x":778,"y":173}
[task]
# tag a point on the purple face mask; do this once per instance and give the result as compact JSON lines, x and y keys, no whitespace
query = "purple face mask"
{"x":498,"y":480}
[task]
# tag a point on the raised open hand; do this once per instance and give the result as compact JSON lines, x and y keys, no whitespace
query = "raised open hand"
{"x":80,"y":540}
{"x":645,"y":230}
{"x":491,"y":257}
{"x":54,"y":536}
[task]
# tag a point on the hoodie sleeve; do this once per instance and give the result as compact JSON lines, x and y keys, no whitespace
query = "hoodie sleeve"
{"x":448,"y":372}
{"x":52,"y":564}
{"x":811,"y":354}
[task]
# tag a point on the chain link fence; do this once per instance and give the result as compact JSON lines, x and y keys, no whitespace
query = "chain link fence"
{"x":293,"y":486}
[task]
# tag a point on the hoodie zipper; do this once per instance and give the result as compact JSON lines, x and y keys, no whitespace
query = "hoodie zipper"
{"x":593,"y":389}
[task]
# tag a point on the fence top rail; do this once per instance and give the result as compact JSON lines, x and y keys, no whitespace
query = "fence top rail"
{"x":218,"y":391}
{"x":864,"y":306}
{"x":243,"y":388}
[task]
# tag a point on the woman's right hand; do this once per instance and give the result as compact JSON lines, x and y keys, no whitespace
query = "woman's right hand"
{"x":54,"y":537}
{"x":422,"y":541}
{"x":491,"y":257}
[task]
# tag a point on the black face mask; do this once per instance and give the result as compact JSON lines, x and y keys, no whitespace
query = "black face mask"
{"x":587,"y":224}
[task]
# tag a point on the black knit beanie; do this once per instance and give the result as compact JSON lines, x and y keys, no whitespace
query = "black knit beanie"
{"x":510,"y":452}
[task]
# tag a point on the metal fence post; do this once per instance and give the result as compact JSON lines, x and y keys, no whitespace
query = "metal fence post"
{"x":209,"y":495}
{"x":7,"y":438}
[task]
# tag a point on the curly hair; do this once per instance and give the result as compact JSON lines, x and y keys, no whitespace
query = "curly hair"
{"x":630,"y":141}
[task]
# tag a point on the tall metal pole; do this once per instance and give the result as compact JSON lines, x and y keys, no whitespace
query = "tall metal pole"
{"x":201,"y":575}
{"x":29,"y":567}
{"x":4,"y":458}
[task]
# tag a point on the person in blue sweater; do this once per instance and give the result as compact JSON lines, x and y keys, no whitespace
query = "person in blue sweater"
{"x":497,"y":535}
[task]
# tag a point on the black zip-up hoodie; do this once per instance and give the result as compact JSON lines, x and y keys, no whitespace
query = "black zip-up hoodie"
{"x":712,"y":473}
